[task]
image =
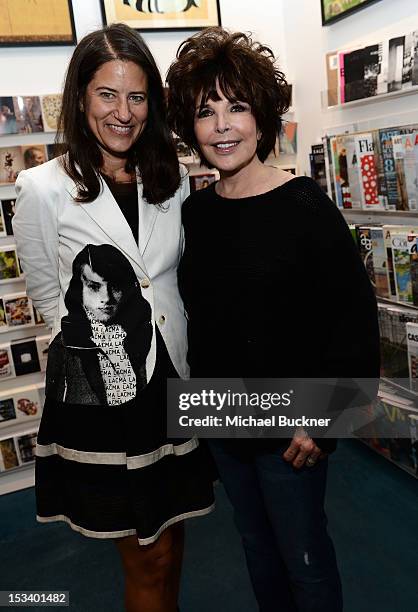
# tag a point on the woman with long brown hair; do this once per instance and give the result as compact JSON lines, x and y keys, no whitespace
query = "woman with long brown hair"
{"x":99,"y":236}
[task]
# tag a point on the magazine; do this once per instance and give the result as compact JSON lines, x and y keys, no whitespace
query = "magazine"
{"x":25,"y":356}
{"x":8,"y":455}
{"x":401,"y":265}
{"x":7,"y":410}
{"x":380,"y":262}
{"x":18,"y":310}
{"x":412,"y":343}
{"x":6,"y":362}
{"x":26,"y":446}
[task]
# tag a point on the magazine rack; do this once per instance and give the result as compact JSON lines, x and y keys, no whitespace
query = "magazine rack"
{"x":329,"y":98}
{"x":21,"y":386}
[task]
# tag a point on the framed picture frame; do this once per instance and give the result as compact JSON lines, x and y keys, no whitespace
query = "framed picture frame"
{"x":157,"y":15}
{"x":46,"y":23}
{"x":334,"y":10}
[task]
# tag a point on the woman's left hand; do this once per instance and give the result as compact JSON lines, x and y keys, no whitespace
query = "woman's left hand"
{"x":303,"y":451}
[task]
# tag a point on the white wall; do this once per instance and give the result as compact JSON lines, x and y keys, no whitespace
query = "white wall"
{"x":291,"y":27}
{"x":40,"y":70}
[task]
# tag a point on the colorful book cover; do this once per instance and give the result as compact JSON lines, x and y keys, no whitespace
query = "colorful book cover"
{"x":51,"y":108}
{"x":3,"y":323}
{"x":288,"y":138}
{"x":9,"y":264}
{"x":410,"y":152}
{"x":368,"y":172}
{"x":380,"y":171}
{"x":399,"y":157}
{"x":332,"y":78}
{"x":379,"y":262}
{"x":353,"y":232}
{"x":353,"y":171}
{"x":8,"y":455}
{"x":27,"y":402}
{"x":18,"y":309}
{"x":341,"y":79}
{"x":28,"y":114}
{"x":336,"y":172}
{"x":8,"y":209}
{"x":402,"y":266}
{"x":11,"y":163}
{"x":386,"y":151}
{"x":6,"y":362}
{"x":8,"y":123}
{"x":342,"y":180}
{"x":414,"y":275}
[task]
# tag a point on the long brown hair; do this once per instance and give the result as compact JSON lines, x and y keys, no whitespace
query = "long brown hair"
{"x":153,"y":154}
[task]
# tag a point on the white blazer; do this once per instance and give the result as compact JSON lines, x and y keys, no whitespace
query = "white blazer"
{"x":51,"y":229}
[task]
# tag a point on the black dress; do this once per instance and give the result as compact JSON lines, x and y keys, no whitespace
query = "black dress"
{"x":117,"y":473}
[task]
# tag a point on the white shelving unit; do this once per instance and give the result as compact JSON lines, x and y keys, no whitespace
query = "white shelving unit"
{"x":15,"y":478}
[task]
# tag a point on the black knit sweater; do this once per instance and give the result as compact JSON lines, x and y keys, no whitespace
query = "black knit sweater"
{"x":274,"y":287}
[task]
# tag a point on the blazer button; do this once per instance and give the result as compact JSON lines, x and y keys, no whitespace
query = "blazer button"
{"x":145,"y":283}
{"x":161,"y":320}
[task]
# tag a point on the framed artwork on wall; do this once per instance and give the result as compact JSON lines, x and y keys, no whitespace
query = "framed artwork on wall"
{"x":25,"y":23}
{"x":334,"y":10}
{"x":156,"y":15}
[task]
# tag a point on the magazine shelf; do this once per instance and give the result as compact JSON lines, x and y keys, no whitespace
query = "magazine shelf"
{"x":393,"y":430}
{"x":366,"y":101}
{"x":383,"y":451}
{"x":392,"y":216}
{"x":395,"y":303}
{"x":23,"y":346}
{"x":17,"y":479}
{"x":402,"y":393}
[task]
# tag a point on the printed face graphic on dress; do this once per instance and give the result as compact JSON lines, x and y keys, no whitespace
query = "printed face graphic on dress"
{"x":101,"y":298}
{"x":99,"y":358}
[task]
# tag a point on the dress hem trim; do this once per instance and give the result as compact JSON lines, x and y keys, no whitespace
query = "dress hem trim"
{"x":132,"y":462}
{"x":126,"y":532}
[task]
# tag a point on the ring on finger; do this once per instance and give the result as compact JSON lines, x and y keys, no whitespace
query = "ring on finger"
{"x":310,"y":461}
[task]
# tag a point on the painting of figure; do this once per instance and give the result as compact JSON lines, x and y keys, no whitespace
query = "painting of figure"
{"x":162,"y":14}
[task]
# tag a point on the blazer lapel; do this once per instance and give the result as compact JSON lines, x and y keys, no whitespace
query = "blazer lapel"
{"x":106,"y":213}
{"x":147,"y":217}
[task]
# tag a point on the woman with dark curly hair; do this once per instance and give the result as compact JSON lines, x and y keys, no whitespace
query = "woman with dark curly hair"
{"x":99,"y":235}
{"x":245,"y":284}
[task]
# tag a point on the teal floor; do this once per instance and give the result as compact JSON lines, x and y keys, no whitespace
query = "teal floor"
{"x":372,"y":508}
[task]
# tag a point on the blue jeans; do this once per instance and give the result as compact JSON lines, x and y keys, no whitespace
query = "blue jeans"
{"x":279,"y":513}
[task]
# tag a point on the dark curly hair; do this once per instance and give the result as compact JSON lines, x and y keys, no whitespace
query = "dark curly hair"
{"x":244,"y":69}
{"x":154,"y":153}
